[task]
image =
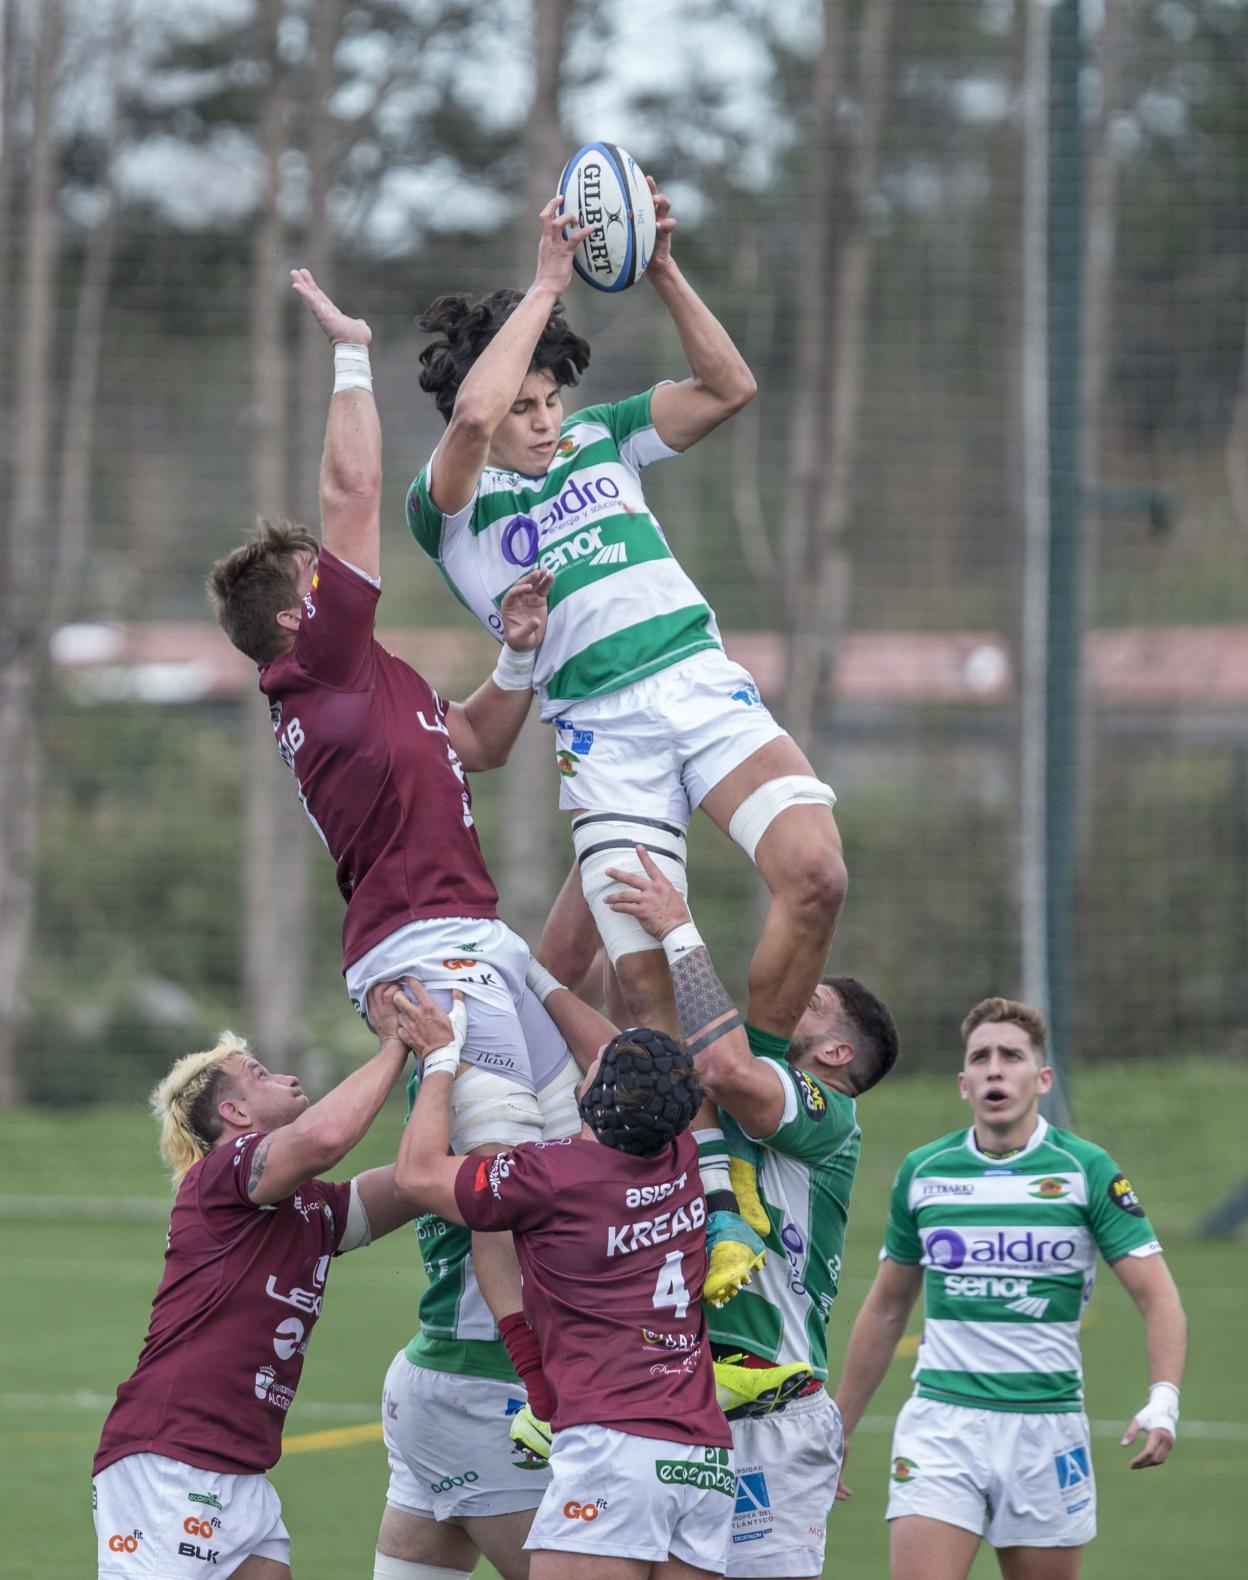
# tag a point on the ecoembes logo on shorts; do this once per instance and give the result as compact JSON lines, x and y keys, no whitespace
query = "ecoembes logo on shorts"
{"x":715,"y":1475}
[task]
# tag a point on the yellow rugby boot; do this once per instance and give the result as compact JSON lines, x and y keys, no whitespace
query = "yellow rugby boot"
{"x":744,"y":1178}
{"x":747,"y":1390}
{"x":733,"y":1251}
{"x":533,"y":1436}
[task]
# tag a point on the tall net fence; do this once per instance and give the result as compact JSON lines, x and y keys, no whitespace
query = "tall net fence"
{"x":856,"y":172}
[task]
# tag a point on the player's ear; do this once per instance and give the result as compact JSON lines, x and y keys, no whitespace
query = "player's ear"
{"x":1045,"y":1083}
{"x":289,"y":619}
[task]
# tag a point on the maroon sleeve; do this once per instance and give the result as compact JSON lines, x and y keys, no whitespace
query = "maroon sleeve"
{"x":335,"y":640}
{"x":511,"y":1191}
{"x":338,"y":1194}
{"x":221,"y":1192}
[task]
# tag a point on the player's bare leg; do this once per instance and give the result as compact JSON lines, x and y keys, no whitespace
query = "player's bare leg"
{"x":586,"y":1566}
{"x":923,"y":1549}
{"x":646,"y":989}
{"x":569,"y":942}
{"x":500,"y":1537}
{"x":800,"y":859}
{"x":414,"y":1539}
{"x":254,"y":1568}
{"x":1040,"y":1563}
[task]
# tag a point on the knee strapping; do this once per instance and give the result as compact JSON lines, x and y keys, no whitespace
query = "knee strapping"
{"x":386,"y":1568}
{"x":491,"y":1108}
{"x":607,"y":839}
{"x":760,"y":809}
{"x":561,"y":1115}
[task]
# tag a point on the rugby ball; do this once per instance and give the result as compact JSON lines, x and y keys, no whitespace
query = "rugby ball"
{"x":603,"y":186}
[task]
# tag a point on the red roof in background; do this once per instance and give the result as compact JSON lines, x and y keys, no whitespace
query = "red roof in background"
{"x":1161,"y":666}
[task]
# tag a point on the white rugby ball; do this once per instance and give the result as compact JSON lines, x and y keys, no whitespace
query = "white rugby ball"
{"x":603,"y":186}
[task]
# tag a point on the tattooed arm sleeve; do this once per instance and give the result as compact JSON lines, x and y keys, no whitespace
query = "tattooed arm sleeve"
{"x":749,"y":1089}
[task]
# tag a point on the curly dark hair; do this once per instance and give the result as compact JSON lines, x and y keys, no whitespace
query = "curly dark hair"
{"x":465,"y":327}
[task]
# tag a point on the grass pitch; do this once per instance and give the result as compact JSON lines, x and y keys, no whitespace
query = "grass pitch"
{"x":84,"y":1230}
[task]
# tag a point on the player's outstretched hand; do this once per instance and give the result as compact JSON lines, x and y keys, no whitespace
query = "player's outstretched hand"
{"x":383,"y":1015}
{"x":560,"y":238}
{"x":524,"y":611}
{"x":422,"y":1024}
{"x":335,"y":323}
{"x":1157,"y":1444}
{"x":656,"y":903}
{"x":664,"y":225}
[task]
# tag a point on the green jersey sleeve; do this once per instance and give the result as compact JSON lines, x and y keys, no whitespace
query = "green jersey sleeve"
{"x":1117,"y":1219}
{"x":424,"y":520}
{"x":901,"y":1234}
{"x":817,"y":1121}
{"x":631,"y":427}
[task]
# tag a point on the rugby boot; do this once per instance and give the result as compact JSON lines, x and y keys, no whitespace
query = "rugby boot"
{"x":744,"y":1178}
{"x":744,"y":1387}
{"x":532,"y":1435}
{"x":734,"y":1251}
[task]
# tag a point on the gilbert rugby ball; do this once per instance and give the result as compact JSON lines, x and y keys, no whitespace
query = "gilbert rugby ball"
{"x":603,"y":186}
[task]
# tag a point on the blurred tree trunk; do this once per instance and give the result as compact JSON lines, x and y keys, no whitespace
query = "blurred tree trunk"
{"x":1237,"y":447}
{"x":23,"y":628}
{"x":526,"y":881}
{"x":831,"y":356}
{"x":1034,"y":423}
{"x":78,"y":439}
{"x":8,"y":123}
{"x":275,"y":835}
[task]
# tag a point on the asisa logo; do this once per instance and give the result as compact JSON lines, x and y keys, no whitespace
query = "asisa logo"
{"x":947,"y":1249}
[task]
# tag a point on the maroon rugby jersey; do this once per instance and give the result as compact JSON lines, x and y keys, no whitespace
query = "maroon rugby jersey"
{"x":240,"y":1295}
{"x":366,"y":739}
{"x":613,"y":1253}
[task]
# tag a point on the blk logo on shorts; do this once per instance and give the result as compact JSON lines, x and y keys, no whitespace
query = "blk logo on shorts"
{"x":1073,"y":1467}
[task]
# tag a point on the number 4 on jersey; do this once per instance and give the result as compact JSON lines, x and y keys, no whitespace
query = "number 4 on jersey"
{"x":669,"y":1289}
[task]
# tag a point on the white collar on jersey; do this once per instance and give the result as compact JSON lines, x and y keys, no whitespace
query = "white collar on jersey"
{"x":1036,"y":1137}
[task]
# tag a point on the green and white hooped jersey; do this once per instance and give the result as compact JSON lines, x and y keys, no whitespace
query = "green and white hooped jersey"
{"x":805,"y":1177}
{"x":1009,"y":1250}
{"x":457,"y":1332}
{"x":620,"y":605}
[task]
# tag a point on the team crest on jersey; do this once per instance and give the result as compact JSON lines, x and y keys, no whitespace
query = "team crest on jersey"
{"x":566,"y":763}
{"x":1051,"y":1188}
{"x":1123,"y":1195}
{"x":567,"y":447}
{"x":903,"y":1469}
{"x":811,"y":1094}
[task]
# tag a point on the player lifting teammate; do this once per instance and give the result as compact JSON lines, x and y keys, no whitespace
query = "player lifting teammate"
{"x":652,"y":720}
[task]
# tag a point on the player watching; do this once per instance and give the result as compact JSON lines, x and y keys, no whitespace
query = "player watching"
{"x":792,"y":1131}
{"x":651,"y":718}
{"x":610,"y":1231}
{"x":1000,"y":1226}
{"x":380,"y":763}
{"x":179,"y":1473}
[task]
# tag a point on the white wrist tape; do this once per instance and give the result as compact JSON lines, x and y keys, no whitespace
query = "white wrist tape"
{"x":680,"y":941}
{"x":447,"y":1057}
{"x":352,"y":369}
{"x":542,"y":982}
{"x":514,"y":671}
{"x":1162,"y":1409}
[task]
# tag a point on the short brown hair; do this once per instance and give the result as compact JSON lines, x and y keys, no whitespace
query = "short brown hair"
{"x":1008,"y":1009}
{"x":253,"y":584}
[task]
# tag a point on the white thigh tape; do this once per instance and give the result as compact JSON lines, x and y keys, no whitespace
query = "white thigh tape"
{"x":607,"y":839}
{"x":759,"y":810}
{"x":491,"y":1108}
{"x":561,"y":1115}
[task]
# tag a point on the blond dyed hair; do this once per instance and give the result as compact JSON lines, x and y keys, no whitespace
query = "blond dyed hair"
{"x":1008,"y":1009}
{"x":185,"y":1103}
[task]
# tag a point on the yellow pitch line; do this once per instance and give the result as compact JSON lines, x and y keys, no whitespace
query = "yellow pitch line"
{"x":336,"y":1437}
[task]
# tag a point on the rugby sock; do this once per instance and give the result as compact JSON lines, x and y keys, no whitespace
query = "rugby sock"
{"x":526,"y":1357}
{"x":713,"y":1167}
{"x":766,"y":1044}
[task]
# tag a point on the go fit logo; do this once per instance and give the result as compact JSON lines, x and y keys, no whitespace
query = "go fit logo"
{"x":583,"y":1511}
{"x":197,"y":1527}
{"x":125,"y":1544}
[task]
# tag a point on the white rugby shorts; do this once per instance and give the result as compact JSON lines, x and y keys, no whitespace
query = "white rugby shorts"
{"x":160,"y":1519}
{"x":615,"y":1495}
{"x":788,"y":1463}
{"x":447,"y":1443}
{"x":1019,"y":1480}
{"x":510,"y":1033}
{"x":657,"y":747}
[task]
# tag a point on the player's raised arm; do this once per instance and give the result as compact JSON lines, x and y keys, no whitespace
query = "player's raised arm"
{"x":721,"y":381}
{"x":484,"y":728}
{"x":491,"y":387}
{"x":351,"y":463}
{"x":424,"y":1171}
{"x":709,"y":1021}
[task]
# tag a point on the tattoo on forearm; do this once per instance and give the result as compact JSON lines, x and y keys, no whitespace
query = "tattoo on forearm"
{"x":258,"y":1159}
{"x":703,"y":1004}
